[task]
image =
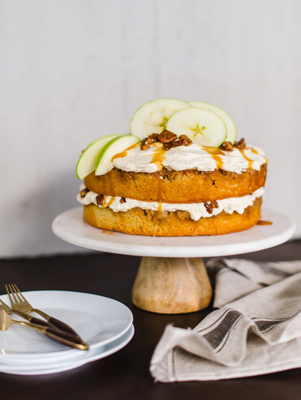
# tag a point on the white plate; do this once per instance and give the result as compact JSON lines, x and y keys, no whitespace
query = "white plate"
{"x":71,"y":227}
{"x":56,"y":366}
{"x":98,"y":320}
{"x":56,"y":362}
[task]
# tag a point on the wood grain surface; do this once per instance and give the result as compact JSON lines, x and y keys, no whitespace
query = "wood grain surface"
{"x":125,"y":375}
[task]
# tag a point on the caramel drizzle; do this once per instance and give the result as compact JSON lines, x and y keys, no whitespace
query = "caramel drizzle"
{"x":216,"y":155}
{"x":256,"y":152}
{"x":159,"y":206}
{"x":125,"y":152}
{"x":105,"y":204}
{"x":251,"y":162}
{"x":261,"y":222}
{"x":111,"y":201}
{"x":159,"y":155}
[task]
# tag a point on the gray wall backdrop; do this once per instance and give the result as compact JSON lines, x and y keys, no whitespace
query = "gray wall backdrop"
{"x":74,"y":70}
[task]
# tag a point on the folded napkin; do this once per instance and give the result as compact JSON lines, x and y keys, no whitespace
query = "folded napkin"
{"x":255,"y":330}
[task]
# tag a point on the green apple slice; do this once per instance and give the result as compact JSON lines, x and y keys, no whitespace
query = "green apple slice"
{"x":202,"y":126}
{"x":153,"y":116}
{"x":118,"y":145}
{"x":87,"y":161}
{"x":231,"y":127}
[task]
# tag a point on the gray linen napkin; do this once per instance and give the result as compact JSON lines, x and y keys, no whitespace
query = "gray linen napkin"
{"x":255,"y":331}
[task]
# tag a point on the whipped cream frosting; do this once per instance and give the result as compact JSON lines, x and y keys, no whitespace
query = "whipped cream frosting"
{"x":196,"y":210}
{"x":189,"y":157}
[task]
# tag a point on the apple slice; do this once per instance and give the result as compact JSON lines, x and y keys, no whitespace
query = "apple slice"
{"x":230,"y":124}
{"x":87,"y":161}
{"x":153,"y":116}
{"x":117,"y":145}
{"x":202,"y":126}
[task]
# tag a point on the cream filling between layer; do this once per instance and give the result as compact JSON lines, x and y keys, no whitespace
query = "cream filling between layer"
{"x":196,"y":210}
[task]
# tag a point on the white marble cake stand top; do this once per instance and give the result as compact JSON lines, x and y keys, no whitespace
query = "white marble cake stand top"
{"x":71,"y":227}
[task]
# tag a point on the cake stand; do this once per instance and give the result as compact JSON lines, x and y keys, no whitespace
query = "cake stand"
{"x":172,"y":278}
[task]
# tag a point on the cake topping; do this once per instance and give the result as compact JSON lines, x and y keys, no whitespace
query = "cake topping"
{"x":182,"y":141}
{"x":228,"y":146}
{"x":145,"y":144}
{"x":153,"y":116}
{"x":241,"y":144}
{"x":100,"y":199}
{"x":84,"y":192}
{"x":167,"y":138}
{"x":190,"y":157}
{"x":153,"y":138}
{"x":170,"y":124}
{"x":185,"y":140}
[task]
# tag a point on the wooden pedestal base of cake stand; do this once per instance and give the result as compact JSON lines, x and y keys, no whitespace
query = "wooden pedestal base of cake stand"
{"x":172,"y":285}
{"x":172,"y":278}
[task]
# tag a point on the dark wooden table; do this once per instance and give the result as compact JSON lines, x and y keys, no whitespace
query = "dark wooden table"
{"x":125,"y":375}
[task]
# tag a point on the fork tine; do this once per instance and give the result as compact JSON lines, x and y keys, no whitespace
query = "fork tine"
{"x":9,"y":295}
{"x":16,"y":293}
{"x":4,"y":306}
{"x":13,"y":296}
{"x":19,"y":293}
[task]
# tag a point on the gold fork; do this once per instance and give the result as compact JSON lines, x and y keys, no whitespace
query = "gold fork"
{"x":19,"y":303}
{"x":29,"y":318}
{"x":54,"y":334}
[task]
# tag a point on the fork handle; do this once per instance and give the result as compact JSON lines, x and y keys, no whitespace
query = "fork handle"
{"x":57,"y":323}
{"x":38,"y":321}
{"x":33,"y":320}
{"x":65,"y":338}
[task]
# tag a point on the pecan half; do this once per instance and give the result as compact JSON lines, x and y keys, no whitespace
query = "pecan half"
{"x":145,"y":144}
{"x":228,"y":146}
{"x":214,"y":204}
{"x":100,"y":199}
{"x":153,"y":138}
{"x":84,"y":192}
{"x":186,"y":140}
{"x":176,"y":143}
{"x":167,"y":137}
{"x":167,"y":146}
{"x":241,"y":144}
{"x":210,"y":206}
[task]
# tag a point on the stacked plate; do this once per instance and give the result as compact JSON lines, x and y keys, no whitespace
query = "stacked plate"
{"x":105,"y":324}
